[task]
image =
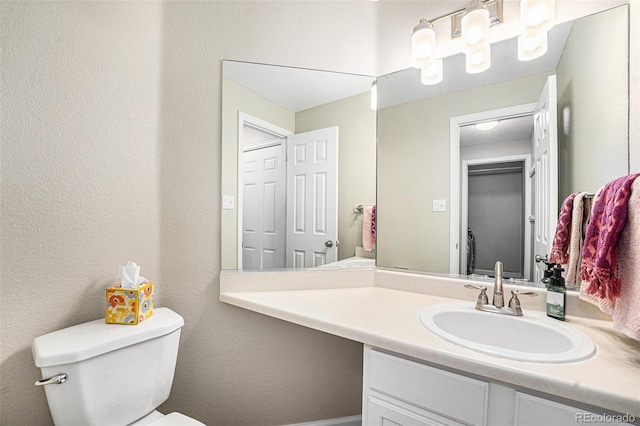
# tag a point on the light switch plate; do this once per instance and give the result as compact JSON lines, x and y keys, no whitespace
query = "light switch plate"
{"x":439,"y":205}
{"x":228,"y":202}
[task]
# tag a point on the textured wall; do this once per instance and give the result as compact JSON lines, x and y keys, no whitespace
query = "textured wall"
{"x":80,"y":176}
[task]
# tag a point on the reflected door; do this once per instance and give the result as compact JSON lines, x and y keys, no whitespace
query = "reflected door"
{"x":264,"y":201}
{"x":545,"y":173}
{"x":312,"y":198}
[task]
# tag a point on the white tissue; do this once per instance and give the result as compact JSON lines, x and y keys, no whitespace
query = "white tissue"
{"x":129,"y":276}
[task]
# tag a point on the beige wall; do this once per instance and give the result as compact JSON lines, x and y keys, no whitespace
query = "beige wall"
{"x":357,"y":160}
{"x":111,"y":127}
{"x":590,"y":141}
{"x":413,"y":170}
{"x":237,"y":98}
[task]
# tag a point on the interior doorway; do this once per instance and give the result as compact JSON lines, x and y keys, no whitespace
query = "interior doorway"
{"x":495,"y":211}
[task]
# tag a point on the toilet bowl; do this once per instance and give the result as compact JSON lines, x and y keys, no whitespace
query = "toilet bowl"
{"x":105,"y":374}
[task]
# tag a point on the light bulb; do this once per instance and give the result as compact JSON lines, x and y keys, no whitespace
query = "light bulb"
{"x":487,"y":125}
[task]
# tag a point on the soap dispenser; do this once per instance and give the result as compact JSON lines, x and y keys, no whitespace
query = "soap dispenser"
{"x":556,"y":294}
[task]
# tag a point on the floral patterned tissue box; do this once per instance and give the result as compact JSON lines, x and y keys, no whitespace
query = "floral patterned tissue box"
{"x":129,"y":305}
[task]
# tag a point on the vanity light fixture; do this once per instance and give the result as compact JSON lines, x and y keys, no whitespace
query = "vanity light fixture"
{"x":423,"y":44}
{"x":537,"y":17}
{"x":487,"y":125}
{"x":374,"y":95}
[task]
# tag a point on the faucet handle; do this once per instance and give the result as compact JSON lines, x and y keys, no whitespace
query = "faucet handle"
{"x":483,"y":299}
{"x":514,"y":303}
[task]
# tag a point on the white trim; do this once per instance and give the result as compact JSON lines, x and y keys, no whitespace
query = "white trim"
{"x":464,"y":211}
{"x":454,"y":169}
{"x":258,"y":123}
{"x":344,"y":421}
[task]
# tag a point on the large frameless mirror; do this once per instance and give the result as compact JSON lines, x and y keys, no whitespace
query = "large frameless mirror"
{"x":452,"y":198}
{"x":299,"y":158}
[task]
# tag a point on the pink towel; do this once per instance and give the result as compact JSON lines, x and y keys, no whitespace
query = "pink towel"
{"x":625,"y":310}
{"x":599,"y":255}
{"x":368,"y":228}
{"x":562,"y":239}
{"x":626,"y":313}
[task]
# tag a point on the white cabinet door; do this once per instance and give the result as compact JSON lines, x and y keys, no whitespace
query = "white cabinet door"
{"x":534,"y":411}
{"x":384,"y":413}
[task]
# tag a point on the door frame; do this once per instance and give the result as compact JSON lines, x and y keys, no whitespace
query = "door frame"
{"x":455,"y":170}
{"x":464,"y":215}
{"x":265,"y":126}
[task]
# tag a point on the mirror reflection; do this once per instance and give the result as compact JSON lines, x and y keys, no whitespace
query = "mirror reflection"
{"x":298,"y":149}
{"x":453,"y":199}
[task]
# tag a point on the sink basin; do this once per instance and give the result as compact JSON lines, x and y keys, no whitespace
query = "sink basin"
{"x":533,"y":337}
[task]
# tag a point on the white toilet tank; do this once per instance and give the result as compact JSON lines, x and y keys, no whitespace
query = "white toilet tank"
{"x":115,"y":374}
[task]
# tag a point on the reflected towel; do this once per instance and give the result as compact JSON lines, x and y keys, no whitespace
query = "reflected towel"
{"x":562,"y":239}
{"x":368,"y":227}
{"x":579,"y":220}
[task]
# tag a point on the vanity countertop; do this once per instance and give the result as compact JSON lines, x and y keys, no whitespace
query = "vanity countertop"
{"x":387,"y":318}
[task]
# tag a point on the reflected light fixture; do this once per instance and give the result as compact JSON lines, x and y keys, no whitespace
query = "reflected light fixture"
{"x":374,"y":95}
{"x":432,"y":74}
{"x":537,"y":17}
{"x":487,"y":125}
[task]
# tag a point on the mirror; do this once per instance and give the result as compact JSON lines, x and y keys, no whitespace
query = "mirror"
{"x":421,"y":164}
{"x":298,"y":154}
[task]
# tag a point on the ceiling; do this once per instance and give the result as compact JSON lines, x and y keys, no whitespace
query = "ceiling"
{"x":296,"y":89}
{"x":511,"y":129}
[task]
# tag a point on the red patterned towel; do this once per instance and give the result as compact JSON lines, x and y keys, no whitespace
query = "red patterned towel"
{"x":600,"y":252}
{"x":561,"y":241}
{"x":373,"y":223}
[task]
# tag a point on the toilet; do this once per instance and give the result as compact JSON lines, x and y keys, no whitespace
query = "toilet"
{"x":105,"y":374}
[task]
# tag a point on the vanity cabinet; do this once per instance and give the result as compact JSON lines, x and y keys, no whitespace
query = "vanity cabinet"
{"x":402,"y":392}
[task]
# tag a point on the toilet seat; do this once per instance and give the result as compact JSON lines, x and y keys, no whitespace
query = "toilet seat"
{"x":176,"y":419}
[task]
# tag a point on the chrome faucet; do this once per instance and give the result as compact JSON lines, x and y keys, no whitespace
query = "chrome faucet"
{"x":498,"y":295}
{"x":482,"y":304}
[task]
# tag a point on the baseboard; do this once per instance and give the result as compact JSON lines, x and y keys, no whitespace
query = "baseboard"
{"x":343,"y":421}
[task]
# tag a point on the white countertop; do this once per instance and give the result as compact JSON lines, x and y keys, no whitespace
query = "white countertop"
{"x":387,"y":318}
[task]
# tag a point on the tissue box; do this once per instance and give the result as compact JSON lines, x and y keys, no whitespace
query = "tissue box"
{"x":129,"y":305}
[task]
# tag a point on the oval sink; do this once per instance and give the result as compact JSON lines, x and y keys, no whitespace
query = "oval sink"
{"x":533,"y":337}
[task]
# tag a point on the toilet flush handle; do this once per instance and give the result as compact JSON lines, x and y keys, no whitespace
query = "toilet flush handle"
{"x":55,"y":380}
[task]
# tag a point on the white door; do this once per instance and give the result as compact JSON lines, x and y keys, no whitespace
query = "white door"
{"x":545,"y":172}
{"x":264,"y":208}
{"x":312,"y":198}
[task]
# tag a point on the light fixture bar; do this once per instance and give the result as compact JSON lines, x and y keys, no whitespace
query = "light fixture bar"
{"x":495,"y":16}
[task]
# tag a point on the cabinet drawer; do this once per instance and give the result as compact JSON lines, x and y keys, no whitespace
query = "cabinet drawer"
{"x":441,"y":392}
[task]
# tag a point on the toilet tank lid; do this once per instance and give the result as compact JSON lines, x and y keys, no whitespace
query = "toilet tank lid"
{"x":84,"y":341}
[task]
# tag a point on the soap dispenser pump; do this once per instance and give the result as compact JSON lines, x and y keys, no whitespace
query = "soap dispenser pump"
{"x":556,"y":294}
